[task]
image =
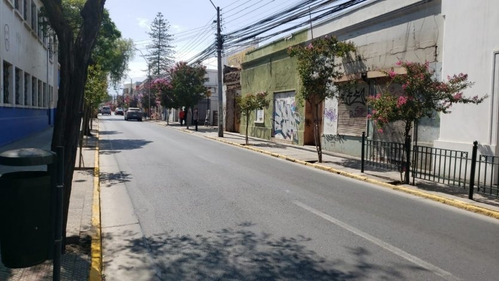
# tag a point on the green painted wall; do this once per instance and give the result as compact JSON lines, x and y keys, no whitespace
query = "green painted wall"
{"x":270,"y":69}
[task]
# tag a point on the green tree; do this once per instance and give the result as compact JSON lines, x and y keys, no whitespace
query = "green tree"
{"x":111,"y":52}
{"x":74,"y":52}
{"x":318,"y":69}
{"x":248,"y":104}
{"x":111,"y":56}
{"x":420,"y":95}
{"x":188,"y":84}
{"x":160,"y":52}
{"x":95,"y":93}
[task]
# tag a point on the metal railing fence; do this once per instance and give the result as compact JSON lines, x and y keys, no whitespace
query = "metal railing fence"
{"x":450,"y":167}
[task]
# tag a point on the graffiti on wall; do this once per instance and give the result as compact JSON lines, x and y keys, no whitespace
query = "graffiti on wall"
{"x":286,"y":119}
{"x":352,"y":112}
{"x":331,"y":116}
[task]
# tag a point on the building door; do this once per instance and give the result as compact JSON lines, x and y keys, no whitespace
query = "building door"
{"x":286,"y":119}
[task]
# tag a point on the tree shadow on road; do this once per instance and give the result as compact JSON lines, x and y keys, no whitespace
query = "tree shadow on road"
{"x":109,"y":132}
{"x":241,"y":254}
{"x":111,"y":179}
{"x":117,"y":145}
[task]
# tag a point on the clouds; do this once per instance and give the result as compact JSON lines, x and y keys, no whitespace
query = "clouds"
{"x":143,"y":23}
{"x":175,"y":28}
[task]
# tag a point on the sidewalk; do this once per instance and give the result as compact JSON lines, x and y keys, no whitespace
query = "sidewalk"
{"x":351,"y":167}
{"x":75,"y":263}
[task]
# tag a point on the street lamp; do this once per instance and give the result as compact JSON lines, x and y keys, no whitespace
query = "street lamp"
{"x":149,"y":81}
{"x":219,"y":74}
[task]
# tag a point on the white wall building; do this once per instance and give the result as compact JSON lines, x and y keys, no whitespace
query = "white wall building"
{"x":470,"y":45}
{"x":456,"y":36}
{"x":28,"y":71}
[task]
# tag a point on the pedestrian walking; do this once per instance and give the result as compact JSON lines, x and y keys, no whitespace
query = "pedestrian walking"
{"x":182,"y":114}
{"x":195,"y":119}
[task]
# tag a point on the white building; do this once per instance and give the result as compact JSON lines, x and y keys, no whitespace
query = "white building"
{"x":456,"y":36}
{"x":211,"y":105}
{"x":28,"y":71}
{"x":470,"y":45}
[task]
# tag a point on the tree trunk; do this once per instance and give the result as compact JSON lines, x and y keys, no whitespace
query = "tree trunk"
{"x":86,"y":120}
{"x":67,"y":131}
{"x":74,"y":57}
{"x":246,"y":129}
{"x":407,"y":148}
{"x":317,"y":133}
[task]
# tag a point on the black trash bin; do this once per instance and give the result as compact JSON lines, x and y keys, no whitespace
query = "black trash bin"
{"x":25,"y":208}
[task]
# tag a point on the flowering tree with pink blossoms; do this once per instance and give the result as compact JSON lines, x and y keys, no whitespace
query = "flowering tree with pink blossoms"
{"x":165,"y":92}
{"x":421,"y":95}
{"x":319,"y":65}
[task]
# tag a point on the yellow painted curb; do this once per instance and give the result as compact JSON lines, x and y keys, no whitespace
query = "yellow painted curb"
{"x":419,"y":193}
{"x":95,"y":273}
{"x":444,"y":200}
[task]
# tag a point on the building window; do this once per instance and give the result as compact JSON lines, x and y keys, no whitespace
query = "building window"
{"x":25,"y":10}
{"x":51,"y":49}
{"x":40,"y":94}
{"x":17,"y":4}
{"x":45,"y":95}
{"x":51,"y":95}
{"x":40,"y":27}
{"x":34,"y":92}
{"x":17,"y":86}
{"x":34,"y":19}
{"x":7,"y":85}
{"x":27,"y":80}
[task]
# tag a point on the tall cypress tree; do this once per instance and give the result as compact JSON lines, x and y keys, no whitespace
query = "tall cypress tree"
{"x":161,"y":52}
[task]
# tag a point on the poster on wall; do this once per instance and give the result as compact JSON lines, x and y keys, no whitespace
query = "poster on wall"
{"x":286,"y":119}
{"x":330,"y":116}
{"x":259,"y":116}
{"x":352,"y":112}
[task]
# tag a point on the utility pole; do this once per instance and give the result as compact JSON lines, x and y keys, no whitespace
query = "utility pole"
{"x":149,"y":90}
{"x":219,"y":76}
{"x":220,"y":115}
{"x":131,"y":88}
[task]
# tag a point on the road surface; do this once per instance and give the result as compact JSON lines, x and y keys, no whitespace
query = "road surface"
{"x":176,"y":206}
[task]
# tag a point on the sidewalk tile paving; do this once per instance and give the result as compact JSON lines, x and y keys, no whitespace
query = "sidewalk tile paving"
{"x":75,"y":263}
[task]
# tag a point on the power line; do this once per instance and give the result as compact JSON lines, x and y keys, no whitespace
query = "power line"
{"x":268,"y":24}
{"x":198,"y":38}
{"x":295,"y":16}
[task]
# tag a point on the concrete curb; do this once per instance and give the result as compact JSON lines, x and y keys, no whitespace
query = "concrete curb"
{"x":422,"y":194}
{"x":96,"y":244}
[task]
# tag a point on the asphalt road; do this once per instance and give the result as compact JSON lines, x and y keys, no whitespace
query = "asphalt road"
{"x":176,"y":206}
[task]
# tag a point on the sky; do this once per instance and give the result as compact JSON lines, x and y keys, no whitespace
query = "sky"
{"x":191,"y":23}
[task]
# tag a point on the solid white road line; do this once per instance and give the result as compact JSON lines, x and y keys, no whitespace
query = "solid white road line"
{"x":432,"y":268}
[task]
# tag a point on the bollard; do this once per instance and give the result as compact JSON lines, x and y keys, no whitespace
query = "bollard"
{"x":58,"y":228}
{"x":363,"y":136}
{"x":472,"y":170}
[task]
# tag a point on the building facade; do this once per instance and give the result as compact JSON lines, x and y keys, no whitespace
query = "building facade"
{"x":28,"y":70}
{"x":453,"y":37}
